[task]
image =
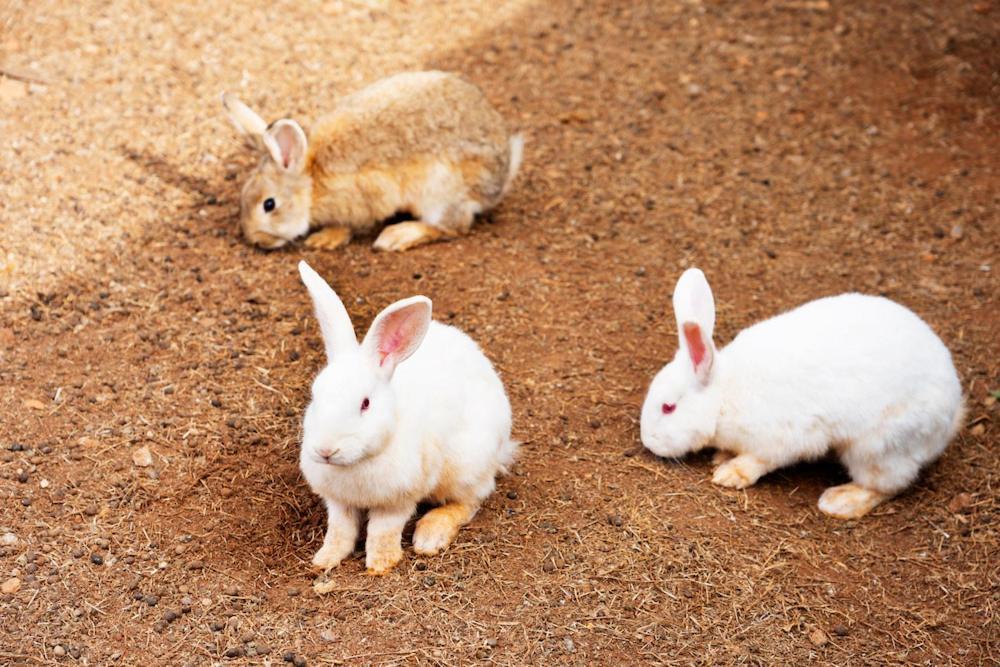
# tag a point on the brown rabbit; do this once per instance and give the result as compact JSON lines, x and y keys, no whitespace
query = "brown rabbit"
{"x":426,"y":143}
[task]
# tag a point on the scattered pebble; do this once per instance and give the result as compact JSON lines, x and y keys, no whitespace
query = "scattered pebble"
{"x":615,"y":520}
{"x":97,"y":559}
{"x":142,"y":457}
{"x":960,"y":503}
{"x":151,"y":600}
{"x":234,"y":652}
{"x":818,"y":637}
{"x":12,"y":585}
{"x":512,"y":494}
{"x":8,"y":539}
{"x":839,"y":630}
{"x":59,"y":651}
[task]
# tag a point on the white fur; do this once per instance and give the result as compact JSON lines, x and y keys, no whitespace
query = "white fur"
{"x":438,"y":425}
{"x":860,"y":375}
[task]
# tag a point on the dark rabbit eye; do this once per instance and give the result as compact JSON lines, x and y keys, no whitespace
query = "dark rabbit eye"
{"x":364,"y":404}
{"x":668,"y":408}
{"x":268,"y":204}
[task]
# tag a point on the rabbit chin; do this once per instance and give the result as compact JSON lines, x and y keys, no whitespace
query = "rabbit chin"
{"x":673,"y":445}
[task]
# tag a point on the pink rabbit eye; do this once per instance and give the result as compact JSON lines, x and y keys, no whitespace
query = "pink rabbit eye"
{"x":668,"y":408}
{"x":364,"y":404}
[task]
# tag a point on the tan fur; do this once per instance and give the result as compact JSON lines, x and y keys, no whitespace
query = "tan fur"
{"x":436,"y":529}
{"x":426,"y":143}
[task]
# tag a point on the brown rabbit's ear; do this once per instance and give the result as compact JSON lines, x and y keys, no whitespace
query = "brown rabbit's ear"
{"x":247,"y":123}
{"x":286,"y":142}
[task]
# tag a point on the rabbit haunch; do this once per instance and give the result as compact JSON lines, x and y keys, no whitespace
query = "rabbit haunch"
{"x":858,"y":375}
{"x":425,"y":143}
{"x":414,"y":412}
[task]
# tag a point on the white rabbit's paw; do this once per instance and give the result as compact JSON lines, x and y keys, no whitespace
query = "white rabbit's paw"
{"x":383,"y":554}
{"x":849,"y":501}
{"x":738,"y":473}
{"x":437,"y":528}
{"x":329,"y":556}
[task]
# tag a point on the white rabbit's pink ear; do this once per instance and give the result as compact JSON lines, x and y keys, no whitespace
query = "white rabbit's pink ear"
{"x":700,"y":350}
{"x":397,"y":332}
{"x":694,"y":309}
{"x":287,"y":144}
{"x":334,"y":322}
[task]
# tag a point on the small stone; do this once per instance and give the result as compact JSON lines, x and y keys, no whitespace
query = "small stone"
{"x":839,"y":630}
{"x":299,"y":661}
{"x":420,"y":566}
{"x":160,"y":626}
{"x":10,"y":586}
{"x":234,"y":652}
{"x":8,"y":539}
{"x":328,"y":635}
{"x":818,"y":637}
{"x":615,"y":520}
{"x":288,"y":656}
{"x":512,"y":494}
{"x":26,"y":502}
{"x":977,"y":430}
{"x":263,"y":649}
{"x":44,"y":483}
{"x":196,"y":565}
{"x":570,"y":646}
{"x":960,"y":503}
{"x":23,"y":477}
{"x":170,"y":616}
{"x":78,"y":552}
{"x":292,"y":592}
{"x":138,"y":595}
{"x":59,"y":651}
{"x":142,"y":457}
{"x":216,"y":403}
{"x":151,"y":600}
{"x":232,"y":590}
{"x":217,"y":626}
{"x":97,"y":559}
{"x":429,"y":580}
{"x":90,"y":510}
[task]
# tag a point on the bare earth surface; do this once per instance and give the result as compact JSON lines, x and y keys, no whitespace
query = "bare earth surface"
{"x":791,"y":148}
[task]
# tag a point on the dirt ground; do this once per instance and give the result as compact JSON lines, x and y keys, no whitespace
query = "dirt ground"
{"x":790,"y":148}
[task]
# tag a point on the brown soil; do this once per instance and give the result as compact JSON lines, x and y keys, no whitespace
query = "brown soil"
{"x":790,"y":148}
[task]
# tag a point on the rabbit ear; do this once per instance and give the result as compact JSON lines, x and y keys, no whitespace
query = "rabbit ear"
{"x":334,"y":322}
{"x":245,"y":120}
{"x":397,"y":332}
{"x":287,"y":144}
{"x":694,"y":308}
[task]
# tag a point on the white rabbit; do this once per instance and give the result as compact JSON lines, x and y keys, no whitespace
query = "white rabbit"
{"x":382,"y":435}
{"x":859,"y":375}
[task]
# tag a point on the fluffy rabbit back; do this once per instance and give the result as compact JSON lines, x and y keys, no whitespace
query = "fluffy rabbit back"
{"x":859,"y":373}
{"x":403,"y":136}
{"x":449,"y":391}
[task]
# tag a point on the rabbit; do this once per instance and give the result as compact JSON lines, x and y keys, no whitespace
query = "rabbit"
{"x":425,"y":143}
{"x":382,"y":435}
{"x":859,"y":375}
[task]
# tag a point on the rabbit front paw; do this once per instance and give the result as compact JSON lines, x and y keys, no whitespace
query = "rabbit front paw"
{"x":740,"y":472}
{"x":382,"y":554}
{"x":849,"y":501}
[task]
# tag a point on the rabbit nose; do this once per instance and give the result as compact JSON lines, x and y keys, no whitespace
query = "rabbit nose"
{"x":325,"y":453}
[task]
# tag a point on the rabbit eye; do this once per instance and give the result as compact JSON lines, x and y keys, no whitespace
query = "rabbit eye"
{"x":268,"y":204}
{"x":364,"y":404}
{"x":668,"y":408}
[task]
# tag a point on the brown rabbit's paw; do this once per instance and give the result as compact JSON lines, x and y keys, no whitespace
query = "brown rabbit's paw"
{"x":329,"y":238}
{"x":405,"y":235}
{"x":849,"y":501}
